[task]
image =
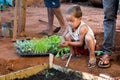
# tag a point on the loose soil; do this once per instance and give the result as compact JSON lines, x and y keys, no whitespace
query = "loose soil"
{"x":10,"y":61}
{"x":53,"y":74}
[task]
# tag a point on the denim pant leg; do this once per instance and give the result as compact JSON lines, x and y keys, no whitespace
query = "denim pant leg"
{"x":110,"y":14}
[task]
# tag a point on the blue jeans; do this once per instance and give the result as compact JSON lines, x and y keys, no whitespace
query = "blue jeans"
{"x":110,"y":8}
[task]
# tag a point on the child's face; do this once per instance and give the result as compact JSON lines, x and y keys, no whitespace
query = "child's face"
{"x":73,"y":21}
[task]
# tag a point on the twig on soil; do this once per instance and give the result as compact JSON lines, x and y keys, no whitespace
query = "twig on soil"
{"x":68,"y":60}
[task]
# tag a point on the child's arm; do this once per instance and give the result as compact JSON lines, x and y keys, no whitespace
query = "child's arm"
{"x":63,"y":37}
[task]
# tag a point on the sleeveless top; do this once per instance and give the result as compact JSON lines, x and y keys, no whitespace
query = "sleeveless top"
{"x":75,"y":34}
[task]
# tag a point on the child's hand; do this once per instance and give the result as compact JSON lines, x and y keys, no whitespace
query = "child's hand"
{"x":61,"y":44}
{"x":64,"y":44}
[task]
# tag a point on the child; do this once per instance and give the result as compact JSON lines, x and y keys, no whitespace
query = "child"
{"x":78,"y":36}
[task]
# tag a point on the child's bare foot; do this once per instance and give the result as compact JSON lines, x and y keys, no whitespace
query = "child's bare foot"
{"x":66,"y":56}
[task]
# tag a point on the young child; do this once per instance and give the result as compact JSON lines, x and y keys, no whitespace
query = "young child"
{"x":78,"y":36}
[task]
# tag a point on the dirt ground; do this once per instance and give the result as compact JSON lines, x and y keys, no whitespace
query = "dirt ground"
{"x":10,"y":61}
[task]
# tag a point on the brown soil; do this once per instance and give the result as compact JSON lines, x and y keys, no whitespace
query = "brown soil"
{"x":53,"y":74}
{"x":10,"y":61}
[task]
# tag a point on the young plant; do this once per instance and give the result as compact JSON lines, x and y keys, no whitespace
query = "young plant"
{"x":54,"y":41}
{"x":41,"y":45}
{"x":24,"y":45}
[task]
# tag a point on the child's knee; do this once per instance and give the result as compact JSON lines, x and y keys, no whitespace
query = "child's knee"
{"x":88,"y":38}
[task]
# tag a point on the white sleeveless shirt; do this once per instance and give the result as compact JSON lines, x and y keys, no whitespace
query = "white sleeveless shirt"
{"x":75,"y":34}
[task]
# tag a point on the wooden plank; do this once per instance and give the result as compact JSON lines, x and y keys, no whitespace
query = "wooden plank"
{"x":20,"y":18}
{"x":24,"y":5}
{"x":15,"y":27}
{"x":33,"y":70}
{"x":25,"y":72}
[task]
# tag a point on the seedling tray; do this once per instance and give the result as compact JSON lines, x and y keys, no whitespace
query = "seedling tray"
{"x":30,"y":54}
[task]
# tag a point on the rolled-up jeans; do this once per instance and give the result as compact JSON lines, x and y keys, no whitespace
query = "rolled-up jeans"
{"x":110,"y":8}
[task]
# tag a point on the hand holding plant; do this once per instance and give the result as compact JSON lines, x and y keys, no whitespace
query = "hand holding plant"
{"x":64,"y":44}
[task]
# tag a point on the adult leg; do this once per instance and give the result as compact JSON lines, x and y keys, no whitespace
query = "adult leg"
{"x":49,"y":30}
{"x":60,"y":18}
{"x":110,"y":15}
{"x":50,"y":18}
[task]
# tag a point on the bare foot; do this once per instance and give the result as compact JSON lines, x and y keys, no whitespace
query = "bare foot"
{"x":47,"y":32}
{"x":60,"y":32}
